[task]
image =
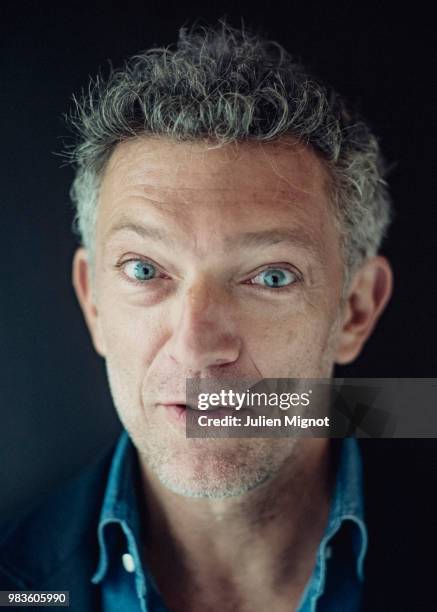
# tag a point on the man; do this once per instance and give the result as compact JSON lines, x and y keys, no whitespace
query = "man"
{"x":230,"y":210}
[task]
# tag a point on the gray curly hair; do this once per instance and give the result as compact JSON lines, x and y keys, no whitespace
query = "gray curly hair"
{"x":231,"y":85}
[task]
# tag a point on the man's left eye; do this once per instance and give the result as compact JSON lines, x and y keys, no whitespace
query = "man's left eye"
{"x":274,"y":278}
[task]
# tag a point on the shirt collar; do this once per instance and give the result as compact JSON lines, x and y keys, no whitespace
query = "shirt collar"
{"x":120,"y":507}
{"x":347,"y":502}
{"x":347,"y":506}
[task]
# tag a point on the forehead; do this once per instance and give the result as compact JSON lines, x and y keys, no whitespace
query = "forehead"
{"x":251,"y":167}
{"x":196,"y":186}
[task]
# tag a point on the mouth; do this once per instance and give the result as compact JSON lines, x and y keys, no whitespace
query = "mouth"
{"x":176,"y":411}
{"x":180,"y":405}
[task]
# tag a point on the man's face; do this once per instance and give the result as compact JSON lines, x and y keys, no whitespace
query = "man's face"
{"x":221,"y":263}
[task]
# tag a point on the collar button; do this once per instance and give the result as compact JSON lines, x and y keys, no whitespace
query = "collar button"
{"x":128,"y":562}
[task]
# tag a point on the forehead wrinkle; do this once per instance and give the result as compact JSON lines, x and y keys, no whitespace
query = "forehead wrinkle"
{"x":168,"y":206}
{"x":134,"y":198}
{"x":180,"y":205}
{"x":125,"y":224}
{"x":153,"y":177}
{"x":154,"y":181}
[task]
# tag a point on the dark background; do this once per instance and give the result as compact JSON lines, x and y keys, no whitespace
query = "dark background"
{"x":56,"y":411}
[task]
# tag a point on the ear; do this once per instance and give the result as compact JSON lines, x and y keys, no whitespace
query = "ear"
{"x":369,"y":292}
{"x":82,"y":283}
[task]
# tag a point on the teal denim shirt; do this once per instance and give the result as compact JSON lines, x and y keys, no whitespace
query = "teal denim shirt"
{"x":127,"y":585}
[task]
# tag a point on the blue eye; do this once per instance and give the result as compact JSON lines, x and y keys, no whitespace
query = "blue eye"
{"x":140,"y":270}
{"x":275,"y":278}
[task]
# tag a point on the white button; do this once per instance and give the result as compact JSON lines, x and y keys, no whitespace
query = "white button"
{"x":328,"y":552}
{"x":128,"y":562}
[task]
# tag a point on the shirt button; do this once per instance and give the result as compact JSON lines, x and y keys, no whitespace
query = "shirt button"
{"x":328,"y":552}
{"x":128,"y":562}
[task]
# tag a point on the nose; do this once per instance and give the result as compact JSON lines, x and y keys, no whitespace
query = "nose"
{"x":204,"y":332}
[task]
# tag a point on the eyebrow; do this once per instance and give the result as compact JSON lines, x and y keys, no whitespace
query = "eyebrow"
{"x":264,"y":238}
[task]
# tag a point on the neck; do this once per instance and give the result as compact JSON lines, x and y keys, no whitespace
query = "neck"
{"x":272,"y":531}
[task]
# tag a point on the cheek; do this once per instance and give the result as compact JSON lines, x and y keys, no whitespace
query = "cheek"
{"x":291,"y":344}
{"x":132,"y":337}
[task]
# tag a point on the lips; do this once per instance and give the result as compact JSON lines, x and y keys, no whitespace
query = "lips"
{"x":175,"y":411}
{"x":181,"y":405}
{"x":184,"y":406}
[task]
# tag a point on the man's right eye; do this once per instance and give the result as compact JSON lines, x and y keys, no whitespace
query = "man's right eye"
{"x":139,"y":270}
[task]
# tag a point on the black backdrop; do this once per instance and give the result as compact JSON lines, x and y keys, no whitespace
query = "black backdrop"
{"x":56,"y":412}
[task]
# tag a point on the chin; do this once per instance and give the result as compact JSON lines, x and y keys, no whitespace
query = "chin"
{"x":209,"y":470}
